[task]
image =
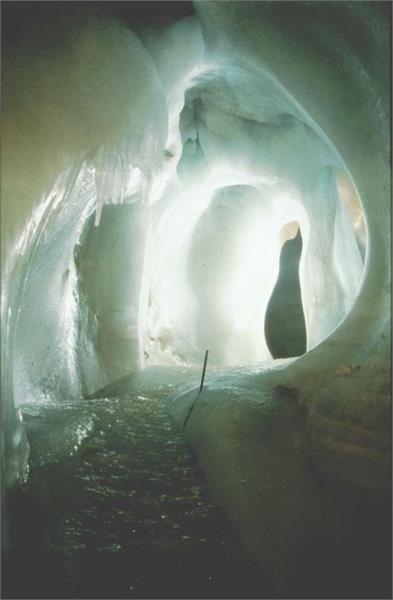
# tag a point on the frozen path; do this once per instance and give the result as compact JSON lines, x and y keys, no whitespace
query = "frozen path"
{"x":116,"y":506}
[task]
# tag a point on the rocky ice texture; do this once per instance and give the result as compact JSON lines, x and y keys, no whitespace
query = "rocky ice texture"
{"x":46,"y":324}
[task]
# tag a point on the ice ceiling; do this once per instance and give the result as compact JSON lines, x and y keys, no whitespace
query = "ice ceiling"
{"x":167,"y":240}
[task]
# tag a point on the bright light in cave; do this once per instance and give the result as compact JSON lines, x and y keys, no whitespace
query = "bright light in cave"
{"x":188,"y":253}
{"x":214,"y":263}
{"x":254,"y":275}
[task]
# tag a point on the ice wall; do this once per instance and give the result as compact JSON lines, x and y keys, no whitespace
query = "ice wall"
{"x":82,"y":102}
{"x":334,"y":59}
{"x":82,"y":84}
{"x":239,"y":123}
{"x":46,"y":322}
{"x":109,"y":268}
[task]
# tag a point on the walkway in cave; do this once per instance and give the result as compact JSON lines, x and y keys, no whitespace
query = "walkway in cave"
{"x":117,"y":507}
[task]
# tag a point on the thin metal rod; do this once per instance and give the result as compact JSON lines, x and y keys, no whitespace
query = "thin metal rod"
{"x":204,"y":371}
{"x":200,"y":390}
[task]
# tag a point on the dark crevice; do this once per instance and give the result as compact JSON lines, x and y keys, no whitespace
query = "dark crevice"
{"x":285,"y":327}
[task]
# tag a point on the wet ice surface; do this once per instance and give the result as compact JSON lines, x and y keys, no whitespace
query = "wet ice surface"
{"x":116,"y":505}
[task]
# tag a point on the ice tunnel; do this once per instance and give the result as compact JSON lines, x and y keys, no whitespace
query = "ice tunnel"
{"x":218,"y":181}
{"x":183,"y":255}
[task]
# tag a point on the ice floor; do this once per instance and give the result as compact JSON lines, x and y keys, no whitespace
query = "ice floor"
{"x":116,"y":506}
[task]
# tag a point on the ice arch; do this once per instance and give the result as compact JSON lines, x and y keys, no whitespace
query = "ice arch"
{"x":190,"y":258}
{"x":342,"y":388}
{"x":221,"y":120}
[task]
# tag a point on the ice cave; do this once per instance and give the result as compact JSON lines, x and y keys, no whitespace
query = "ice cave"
{"x":177,"y":178}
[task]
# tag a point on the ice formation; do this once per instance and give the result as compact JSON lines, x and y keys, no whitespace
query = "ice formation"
{"x":162,"y":236}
